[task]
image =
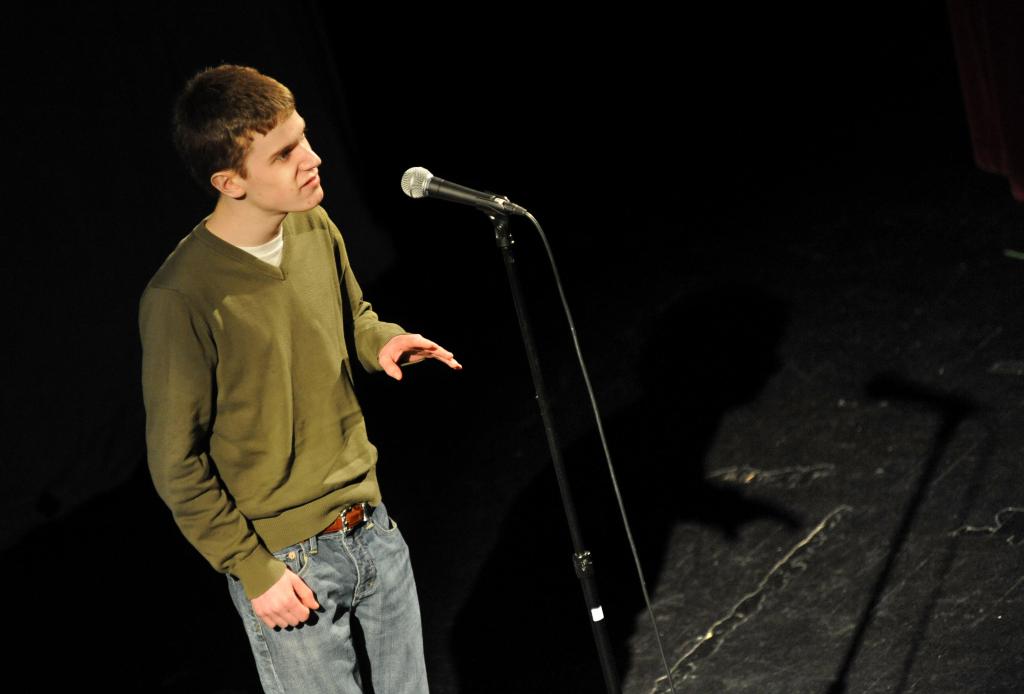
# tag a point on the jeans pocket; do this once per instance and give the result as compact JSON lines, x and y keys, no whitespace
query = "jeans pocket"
{"x":295,"y":557}
{"x":384,"y":524}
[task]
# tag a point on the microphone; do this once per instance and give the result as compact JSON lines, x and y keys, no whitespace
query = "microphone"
{"x":417,"y":182}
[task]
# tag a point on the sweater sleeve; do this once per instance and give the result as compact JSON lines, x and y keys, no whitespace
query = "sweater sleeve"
{"x":178,"y":383}
{"x":370,"y":333}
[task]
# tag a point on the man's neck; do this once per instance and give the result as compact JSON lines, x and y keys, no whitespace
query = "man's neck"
{"x":242,"y":225}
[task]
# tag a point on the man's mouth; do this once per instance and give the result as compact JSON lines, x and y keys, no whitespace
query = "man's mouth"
{"x":314,"y":180}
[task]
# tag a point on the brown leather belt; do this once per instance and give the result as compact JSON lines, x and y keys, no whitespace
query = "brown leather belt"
{"x":349,"y":519}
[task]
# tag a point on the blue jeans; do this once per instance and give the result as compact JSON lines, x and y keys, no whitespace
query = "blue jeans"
{"x":363,"y":581}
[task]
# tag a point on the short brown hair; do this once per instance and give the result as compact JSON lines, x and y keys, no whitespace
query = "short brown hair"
{"x":217,"y":113}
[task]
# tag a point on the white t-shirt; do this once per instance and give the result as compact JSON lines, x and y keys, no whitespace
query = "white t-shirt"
{"x":269,"y":252}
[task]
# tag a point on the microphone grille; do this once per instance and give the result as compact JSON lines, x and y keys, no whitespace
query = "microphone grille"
{"x":415,"y":181}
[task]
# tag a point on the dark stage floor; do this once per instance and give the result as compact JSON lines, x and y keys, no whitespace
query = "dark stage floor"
{"x":817,"y":432}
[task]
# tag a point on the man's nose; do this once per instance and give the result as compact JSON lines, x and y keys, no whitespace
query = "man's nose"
{"x":314,"y":160}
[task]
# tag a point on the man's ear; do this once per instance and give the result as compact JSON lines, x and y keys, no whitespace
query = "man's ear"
{"x":229,"y":183}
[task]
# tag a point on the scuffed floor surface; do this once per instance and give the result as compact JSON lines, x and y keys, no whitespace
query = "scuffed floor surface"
{"x":892,"y":430}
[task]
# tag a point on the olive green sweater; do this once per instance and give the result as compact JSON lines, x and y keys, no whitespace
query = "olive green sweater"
{"x":255,"y":438}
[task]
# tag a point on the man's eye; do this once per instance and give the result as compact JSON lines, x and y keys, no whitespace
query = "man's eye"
{"x":284,"y":155}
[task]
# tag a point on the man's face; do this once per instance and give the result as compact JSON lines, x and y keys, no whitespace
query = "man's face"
{"x":282,"y":167}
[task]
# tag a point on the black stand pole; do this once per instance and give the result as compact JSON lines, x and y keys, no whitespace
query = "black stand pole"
{"x":581,"y":558}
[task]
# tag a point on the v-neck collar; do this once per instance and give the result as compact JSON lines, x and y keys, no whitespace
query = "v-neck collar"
{"x":245,"y":257}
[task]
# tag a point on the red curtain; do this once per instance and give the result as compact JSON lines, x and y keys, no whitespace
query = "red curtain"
{"x":988,"y":36}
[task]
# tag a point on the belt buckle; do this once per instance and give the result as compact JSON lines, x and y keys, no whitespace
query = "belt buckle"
{"x":345,"y":527}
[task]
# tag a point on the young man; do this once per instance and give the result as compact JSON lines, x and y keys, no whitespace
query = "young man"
{"x":255,"y":439}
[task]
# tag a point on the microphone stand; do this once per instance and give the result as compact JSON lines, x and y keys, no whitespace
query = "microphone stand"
{"x":581,"y":560}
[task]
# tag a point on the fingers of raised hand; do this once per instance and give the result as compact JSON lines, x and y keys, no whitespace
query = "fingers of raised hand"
{"x":432,"y":350}
{"x":410,"y":349}
{"x":445,"y":356}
